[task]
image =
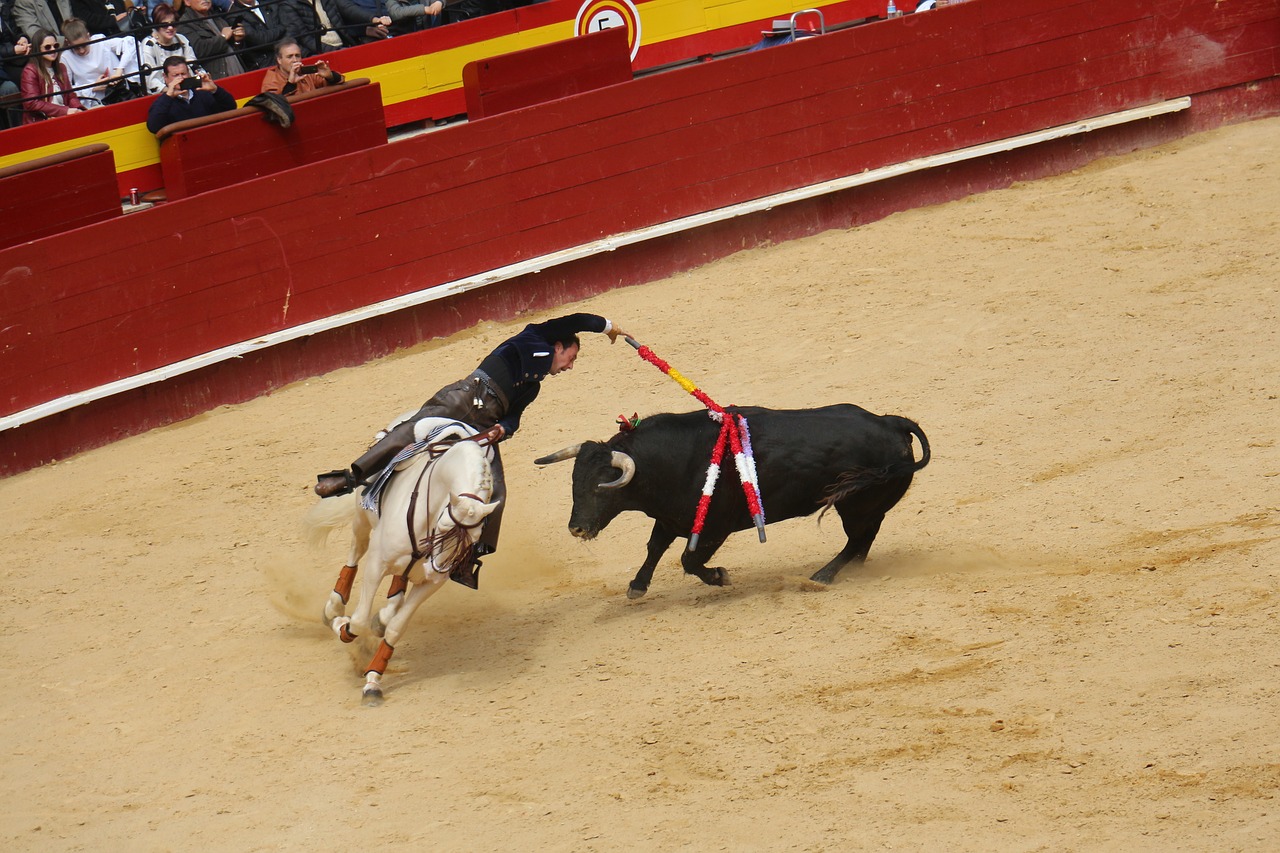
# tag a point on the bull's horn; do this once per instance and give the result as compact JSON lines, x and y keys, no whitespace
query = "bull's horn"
{"x":559,"y":456}
{"x":624,"y":463}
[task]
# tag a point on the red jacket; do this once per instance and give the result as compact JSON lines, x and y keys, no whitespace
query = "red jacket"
{"x":36,"y":85}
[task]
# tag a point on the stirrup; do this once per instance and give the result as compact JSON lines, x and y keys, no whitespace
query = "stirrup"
{"x":467,"y":574}
{"x":335,"y":483}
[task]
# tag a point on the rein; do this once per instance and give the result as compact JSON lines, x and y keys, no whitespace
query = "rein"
{"x":457,"y":538}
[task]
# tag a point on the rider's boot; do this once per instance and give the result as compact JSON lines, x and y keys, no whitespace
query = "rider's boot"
{"x":468,"y":574}
{"x":335,"y":483}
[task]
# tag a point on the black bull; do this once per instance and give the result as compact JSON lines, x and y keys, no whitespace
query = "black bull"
{"x":839,"y":456}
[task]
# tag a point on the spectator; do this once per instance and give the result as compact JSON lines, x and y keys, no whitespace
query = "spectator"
{"x":467,"y":9}
{"x":210,"y":37}
{"x":220,"y":5}
{"x":14,"y":50}
{"x":309,"y":24}
{"x":102,"y":17}
{"x":371,"y":14}
{"x":105,"y":64}
{"x":31,"y":16}
{"x":287,"y":76}
{"x":165,"y":42}
{"x":179,"y":102}
{"x":256,"y":29}
{"x":46,"y":91}
{"x":408,"y":16}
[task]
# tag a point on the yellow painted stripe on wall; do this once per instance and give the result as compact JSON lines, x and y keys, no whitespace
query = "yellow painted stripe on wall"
{"x":441,"y":71}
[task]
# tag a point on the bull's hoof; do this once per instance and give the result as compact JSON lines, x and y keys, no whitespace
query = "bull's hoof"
{"x":634,"y":592}
{"x":824,"y":576}
{"x":713,"y":576}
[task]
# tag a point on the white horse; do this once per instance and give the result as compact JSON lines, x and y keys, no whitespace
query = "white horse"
{"x":432,"y":509}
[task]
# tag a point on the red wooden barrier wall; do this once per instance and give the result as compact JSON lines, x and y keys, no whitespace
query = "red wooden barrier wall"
{"x":52,"y":194}
{"x":523,"y":78}
{"x":272,"y":253}
{"x":206,"y":153}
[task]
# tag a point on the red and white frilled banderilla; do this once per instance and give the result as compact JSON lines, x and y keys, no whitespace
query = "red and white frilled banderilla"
{"x":733,"y":432}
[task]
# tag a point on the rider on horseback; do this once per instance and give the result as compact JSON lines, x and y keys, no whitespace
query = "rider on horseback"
{"x":491,"y":399}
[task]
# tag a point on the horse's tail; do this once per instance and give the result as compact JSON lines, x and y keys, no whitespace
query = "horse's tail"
{"x":327,"y":515}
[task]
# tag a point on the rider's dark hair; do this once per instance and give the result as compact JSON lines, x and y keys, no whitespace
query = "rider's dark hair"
{"x":566,"y":341}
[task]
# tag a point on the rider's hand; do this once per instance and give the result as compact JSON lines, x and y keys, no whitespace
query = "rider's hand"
{"x":615,"y":333}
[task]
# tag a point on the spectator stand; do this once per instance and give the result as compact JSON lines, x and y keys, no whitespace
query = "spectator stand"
{"x":215,"y":151}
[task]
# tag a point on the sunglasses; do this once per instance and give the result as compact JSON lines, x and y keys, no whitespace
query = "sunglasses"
{"x":166,"y":25}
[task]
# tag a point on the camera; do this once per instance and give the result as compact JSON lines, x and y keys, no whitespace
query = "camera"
{"x":190,"y":83}
{"x":309,"y":69}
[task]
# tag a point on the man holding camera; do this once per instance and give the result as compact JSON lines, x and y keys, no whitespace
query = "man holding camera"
{"x":186,"y":97}
{"x":290,"y":77}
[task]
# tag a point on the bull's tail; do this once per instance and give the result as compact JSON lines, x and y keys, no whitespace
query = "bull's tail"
{"x":860,"y":478}
{"x":909,"y":426}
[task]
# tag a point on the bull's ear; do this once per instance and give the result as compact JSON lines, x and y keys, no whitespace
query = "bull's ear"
{"x":559,"y":456}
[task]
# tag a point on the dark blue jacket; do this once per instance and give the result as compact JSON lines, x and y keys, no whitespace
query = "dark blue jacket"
{"x":520,"y":363}
{"x":166,"y":110}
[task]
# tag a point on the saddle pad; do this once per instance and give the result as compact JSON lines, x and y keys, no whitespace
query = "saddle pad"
{"x":427,"y":431}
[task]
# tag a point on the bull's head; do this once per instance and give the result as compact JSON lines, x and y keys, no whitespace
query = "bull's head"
{"x":600,"y":475}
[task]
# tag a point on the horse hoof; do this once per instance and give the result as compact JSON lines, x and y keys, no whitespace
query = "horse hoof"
{"x":633,"y":593}
{"x":371,"y":698}
{"x":342,"y":627}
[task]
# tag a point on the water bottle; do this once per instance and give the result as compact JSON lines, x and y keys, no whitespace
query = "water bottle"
{"x":893,"y":11}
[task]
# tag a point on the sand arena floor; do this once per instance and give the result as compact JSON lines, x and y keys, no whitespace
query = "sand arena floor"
{"x":1066,"y":637}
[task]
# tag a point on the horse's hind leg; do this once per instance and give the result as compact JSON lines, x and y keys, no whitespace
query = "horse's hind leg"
{"x":336,"y":604}
{"x":372,"y":692}
{"x":375,"y":568}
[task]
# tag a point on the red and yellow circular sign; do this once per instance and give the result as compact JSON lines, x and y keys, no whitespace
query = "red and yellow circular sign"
{"x":596,"y":15}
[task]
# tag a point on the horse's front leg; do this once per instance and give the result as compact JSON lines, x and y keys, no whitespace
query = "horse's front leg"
{"x":372,"y":692}
{"x":336,"y":604}
{"x":395,"y":597}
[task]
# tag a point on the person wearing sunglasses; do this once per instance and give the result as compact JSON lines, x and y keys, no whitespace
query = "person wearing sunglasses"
{"x":165,"y":41}
{"x":46,"y":91}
